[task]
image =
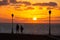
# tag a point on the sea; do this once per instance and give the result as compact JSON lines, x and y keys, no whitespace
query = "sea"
{"x":31,"y":28}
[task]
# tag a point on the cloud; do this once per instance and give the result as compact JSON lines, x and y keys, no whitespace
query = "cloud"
{"x":46,"y":4}
{"x":52,"y":4}
{"x":50,"y":8}
{"x":29,"y":8}
{"x":3,"y":3}
{"x":21,"y":2}
{"x":24,"y":2}
{"x":27,"y":3}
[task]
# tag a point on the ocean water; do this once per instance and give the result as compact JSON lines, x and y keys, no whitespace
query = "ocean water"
{"x":31,"y":28}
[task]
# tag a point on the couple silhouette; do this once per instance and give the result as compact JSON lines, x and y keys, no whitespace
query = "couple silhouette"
{"x":19,"y":28}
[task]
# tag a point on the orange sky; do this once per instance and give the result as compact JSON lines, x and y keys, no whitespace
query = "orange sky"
{"x":24,"y":15}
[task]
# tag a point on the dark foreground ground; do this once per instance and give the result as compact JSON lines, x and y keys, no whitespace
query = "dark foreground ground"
{"x":6,"y":36}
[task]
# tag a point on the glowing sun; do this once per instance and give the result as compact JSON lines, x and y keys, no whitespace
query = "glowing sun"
{"x":34,"y":18}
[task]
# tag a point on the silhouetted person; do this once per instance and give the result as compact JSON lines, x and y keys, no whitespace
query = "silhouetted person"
{"x":17,"y":28}
{"x":21,"y":29}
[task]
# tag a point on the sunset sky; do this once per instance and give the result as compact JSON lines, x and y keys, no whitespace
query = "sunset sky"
{"x":30,"y":13}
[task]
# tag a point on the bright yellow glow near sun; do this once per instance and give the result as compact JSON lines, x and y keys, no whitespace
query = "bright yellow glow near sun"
{"x":34,"y":18}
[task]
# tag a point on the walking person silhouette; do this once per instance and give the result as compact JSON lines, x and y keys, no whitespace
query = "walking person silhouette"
{"x":21,"y":28}
{"x":17,"y":28}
